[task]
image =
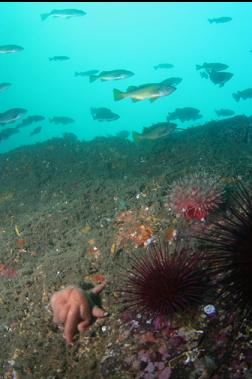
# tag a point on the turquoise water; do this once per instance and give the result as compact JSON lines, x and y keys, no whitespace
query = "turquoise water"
{"x":131,"y":36}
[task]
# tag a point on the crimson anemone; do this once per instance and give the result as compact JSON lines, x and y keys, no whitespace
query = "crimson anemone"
{"x":195,"y":196}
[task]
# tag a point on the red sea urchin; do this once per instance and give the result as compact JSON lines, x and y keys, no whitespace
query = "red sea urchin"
{"x":195,"y":196}
{"x":159,"y":283}
{"x":229,"y":253}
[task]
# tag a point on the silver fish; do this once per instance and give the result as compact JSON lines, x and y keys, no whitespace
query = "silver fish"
{"x":59,"y":58}
{"x":4,"y":86}
{"x":12,"y":115}
{"x":63,"y":13}
{"x":9,"y":49}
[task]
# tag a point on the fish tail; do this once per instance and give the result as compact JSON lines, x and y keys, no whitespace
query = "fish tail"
{"x":198,"y":67}
{"x":203,"y":75}
{"x":44,"y":16}
{"x":50,"y":59}
{"x":50,"y":119}
{"x":136,"y":137}
{"x":155,"y":67}
{"x":236,"y":96}
{"x":77,"y":73}
{"x":211,"y":20}
{"x":92,"y":111}
{"x":92,"y":78}
{"x":118,"y":95}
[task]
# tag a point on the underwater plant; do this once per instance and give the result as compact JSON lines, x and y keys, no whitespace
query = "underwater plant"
{"x":195,"y":196}
{"x":161,"y":283}
{"x":229,"y":253}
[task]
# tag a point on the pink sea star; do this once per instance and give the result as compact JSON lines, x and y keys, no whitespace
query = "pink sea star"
{"x":73,"y":309}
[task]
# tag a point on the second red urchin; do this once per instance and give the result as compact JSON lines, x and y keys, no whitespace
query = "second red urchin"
{"x":159,"y":283}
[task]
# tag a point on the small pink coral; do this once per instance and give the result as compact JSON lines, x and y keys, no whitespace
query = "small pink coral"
{"x":195,"y":196}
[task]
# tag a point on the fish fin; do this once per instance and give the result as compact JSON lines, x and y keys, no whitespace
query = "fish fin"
{"x":131,"y":88}
{"x":198,"y":67}
{"x":136,"y":137}
{"x":236,"y":96}
{"x":118,"y":95}
{"x":211,"y":20}
{"x":135,"y":100}
{"x":44,"y":16}
{"x":153,"y":99}
{"x":92,"y":78}
{"x":155,"y":67}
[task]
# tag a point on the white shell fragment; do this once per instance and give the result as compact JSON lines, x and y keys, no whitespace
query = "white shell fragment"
{"x":209,"y":310}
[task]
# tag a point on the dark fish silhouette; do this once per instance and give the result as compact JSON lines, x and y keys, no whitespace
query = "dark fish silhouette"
{"x":164,"y":65}
{"x":103,"y":114}
{"x":29,"y":120}
{"x":220,"y":20}
{"x":245,"y":94}
{"x":224,"y":112}
{"x":36,"y":131}
{"x":184,"y":114}
{"x":59,"y":58}
{"x":6,"y":133}
{"x":4,"y":86}
{"x":212,"y":66}
{"x":220,"y":77}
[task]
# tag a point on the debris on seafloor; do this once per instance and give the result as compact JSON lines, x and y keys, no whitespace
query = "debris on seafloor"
{"x":95,"y":278}
{"x":134,"y":227}
{"x":210,"y":310}
{"x":17,"y":231}
{"x":93,"y":251}
{"x":86,"y":229}
{"x":170,"y":234}
{"x":7,"y":272}
{"x":113,"y":249}
{"x":21,"y":244}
